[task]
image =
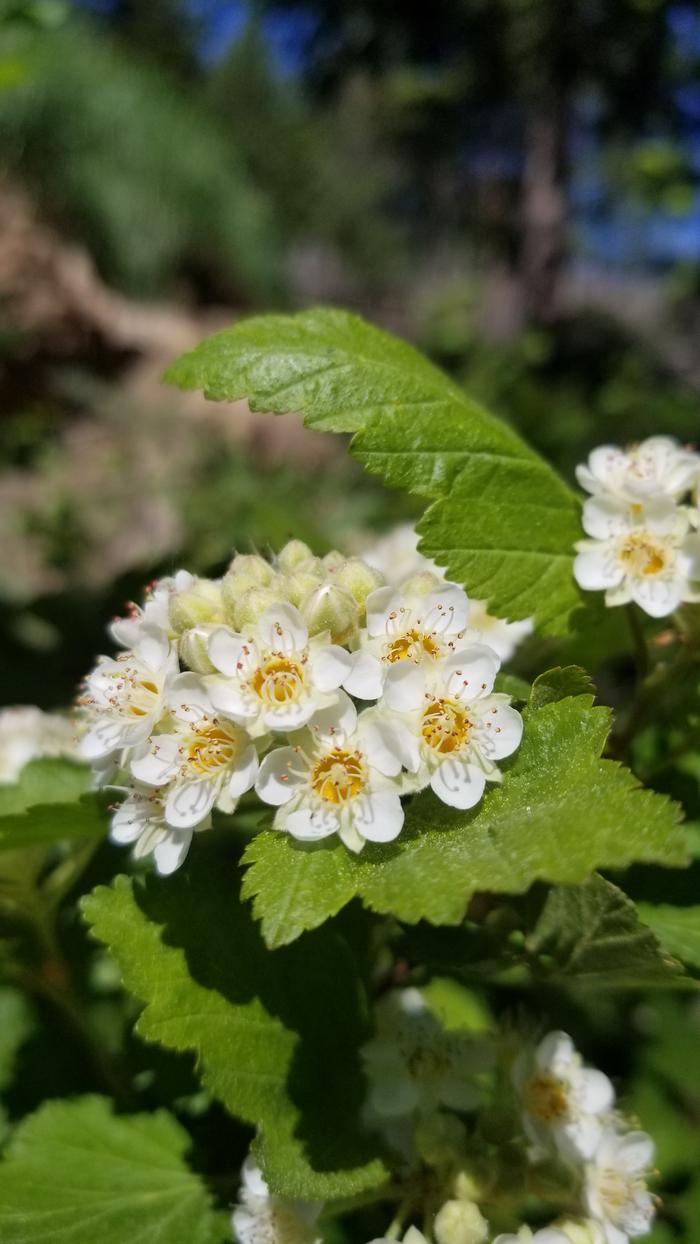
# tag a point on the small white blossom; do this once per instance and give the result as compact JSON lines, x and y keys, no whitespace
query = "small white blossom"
{"x":396,"y":555}
{"x":641,"y":553}
{"x":615,"y":1188}
{"x":504,"y":637}
{"x":453,"y":740}
{"x":123,"y":699}
{"x":274,"y":677}
{"x":658,"y":466}
{"x":261,"y":1218}
{"x":153,"y":617}
{"x":339,"y":777}
{"x":140,"y":820}
{"x":204,"y":759}
{"x":564,"y":1103}
{"x":407,"y":634}
{"x":414,"y":1066}
{"x":27,"y":733}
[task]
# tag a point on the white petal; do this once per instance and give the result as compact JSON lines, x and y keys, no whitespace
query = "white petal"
{"x":245,"y":773}
{"x":635,"y":1152}
{"x":458,"y":784}
{"x":596,"y":1093}
{"x":187,"y":697}
{"x":253,"y":1178}
{"x":366,"y":676}
{"x":380,"y":603}
{"x":311,"y":824}
{"x":129,"y":821}
{"x":383,"y":743}
{"x":170,"y":853}
{"x":189,"y":803}
{"x":292,"y":716}
{"x":446,"y":611}
{"x":501,"y":728}
{"x":655,"y":595}
{"x":224,"y":650}
{"x":279,"y":776}
{"x":597,"y":567}
{"x":582,"y":1136}
{"x":555,"y":1052}
{"x":329,"y":666}
{"x":336,"y":719}
{"x":689,"y":557}
{"x":282,"y":629}
{"x":471,"y":672}
{"x":378,"y":816}
{"x":228,"y":697}
{"x":109,"y":734}
{"x":606,"y":465}
{"x":404,"y":686}
{"x":661,"y":516}
{"x":605,"y":516}
{"x":159,"y":763}
{"x":153,"y":649}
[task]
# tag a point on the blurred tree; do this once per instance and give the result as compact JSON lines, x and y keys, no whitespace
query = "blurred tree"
{"x":166,"y":30}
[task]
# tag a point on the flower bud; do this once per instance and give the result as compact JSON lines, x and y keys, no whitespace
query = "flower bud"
{"x":294,"y":555}
{"x":301,"y":583}
{"x":358,"y":579}
{"x":330,"y":608}
{"x":460,"y":1222}
{"x":201,"y":602}
{"x":256,"y":569}
{"x":580,"y":1230}
{"x":440,"y":1138}
{"x":193,"y":648}
{"x":421,"y":584}
{"x":252,"y":604}
{"x":333,"y":561}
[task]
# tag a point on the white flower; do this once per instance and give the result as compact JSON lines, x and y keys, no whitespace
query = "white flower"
{"x":153,"y":617}
{"x":396,"y":555}
{"x":412,"y":1236}
{"x":407,"y":634}
{"x":26,"y":733}
{"x":658,"y":466}
{"x":453,"y":740}
{"x":123,"y":699}
{"x":504,"y":637}
{"x":140,"y":819}
{"x":339,"y":778}
{"x":615,"y":1192}
{"x":274,"y":678}
{"x":640,"y":553}
{"x":546,"y":1235}
{"x":414,"y":1066}
{"x":204,"y":759}
{"x":261,"y":1218}
{"x":564,"y":1103}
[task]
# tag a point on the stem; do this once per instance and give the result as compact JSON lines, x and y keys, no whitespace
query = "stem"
{"x":395,"y":1227}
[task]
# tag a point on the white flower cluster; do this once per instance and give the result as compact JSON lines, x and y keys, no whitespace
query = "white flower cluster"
{"x":640,"y":518}
{"x":246,"y":682}
{"x":27,"y":733}
{"x":418,"y":1072}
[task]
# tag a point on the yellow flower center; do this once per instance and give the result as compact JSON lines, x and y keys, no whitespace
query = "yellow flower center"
{"x":445,"y":726}
{"x":545,"y":1098}
{"x":211,"y":747}
{"x":278,"y":681}
{"x":413,"y":645}
{"x":644,"y":555}
{"x":339,"y":776}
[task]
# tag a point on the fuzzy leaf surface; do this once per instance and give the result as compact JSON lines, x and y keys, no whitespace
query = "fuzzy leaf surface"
{"x":75,"y":1173}
{"x":560,"y":814}
{"x":276,"y":1037}
{"x":500,"y":521}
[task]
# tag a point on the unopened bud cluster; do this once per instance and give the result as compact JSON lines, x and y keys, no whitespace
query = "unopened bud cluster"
{"x":330,"y":692}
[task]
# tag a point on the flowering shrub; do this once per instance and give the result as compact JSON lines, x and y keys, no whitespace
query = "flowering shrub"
{"x":385,"y":846}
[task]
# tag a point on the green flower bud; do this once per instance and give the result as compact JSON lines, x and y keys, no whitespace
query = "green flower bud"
{"x":252,"y":605}
{"x":460,"y":1222}
{"x":201,"y":602}
{"x":580,"y":1230}
{"x":245,"y":572}
{"x":330,"y":608}
{"x":333,"y":561}
{"x":193,"y":648}
{"x":301,"y":583}
{"x":421,"y":584}
{"x":358,"y":579}
{"x":294,"y":555}
{"x":256,"y":569}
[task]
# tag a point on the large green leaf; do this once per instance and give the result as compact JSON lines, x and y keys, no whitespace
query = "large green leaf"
{"x":276,"y":1036}
{"x":560,"y":813}
{"x":50,"y":802}
{"x":74,"y":1173}
{"x":501,"y":521}
{"x":677,"y":928}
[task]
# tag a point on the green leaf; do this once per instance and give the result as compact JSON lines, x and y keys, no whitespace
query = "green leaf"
{"x":558,"y":683}
{"x":592,"y":935}
{"x":276,"y":1037}
{"x":677,"y":928}
{"x":16,"y":1024}
{"x":74,"y":1174}
{"x":50,"y":803}
{"x":560,"y":813}
{"x":501,"y":521}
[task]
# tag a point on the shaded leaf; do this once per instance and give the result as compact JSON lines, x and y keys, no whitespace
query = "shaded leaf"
{"x":50,"y":802}
{"x":677,"y":928}
{"x":557,"y":684}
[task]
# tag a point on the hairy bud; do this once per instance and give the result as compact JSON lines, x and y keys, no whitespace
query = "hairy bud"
{"x":294,"y":555}
{"x":193,"y":648}
{"x":252,"y":604}
{"x":256,"y":569}
{"x":330,"y":608}
{"x":201,"y":602}
{"x":358,"y":579}
{"x":460,"y":1222}
{"x":301,"y":583}
{"x":421,"y":584}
